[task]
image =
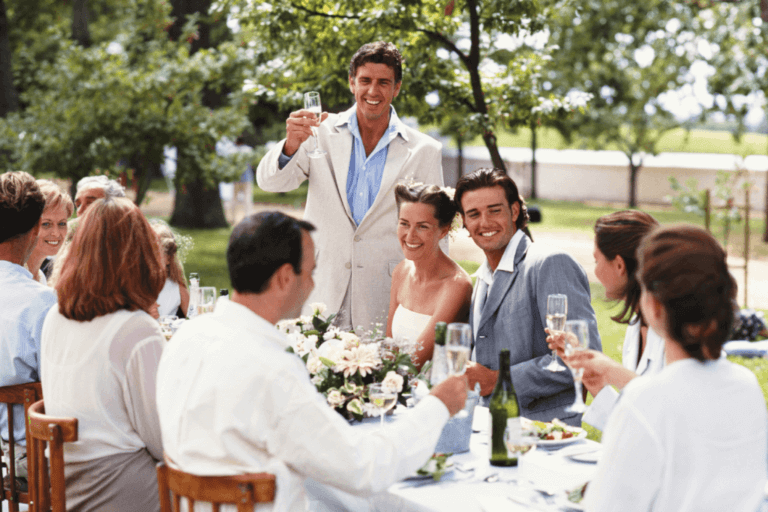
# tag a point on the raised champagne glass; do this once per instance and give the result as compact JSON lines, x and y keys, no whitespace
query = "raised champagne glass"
{"x":557,"y":311}
{"x":458,"y":344}
{"x":312,"y":103}
{"x":576,"y":338}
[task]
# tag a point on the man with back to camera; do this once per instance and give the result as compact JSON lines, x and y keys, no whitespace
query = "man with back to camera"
{"x":351,"y":188}
{"x":23,"y":301}
{"x":284,"y":427}
{"x":509,"y":303}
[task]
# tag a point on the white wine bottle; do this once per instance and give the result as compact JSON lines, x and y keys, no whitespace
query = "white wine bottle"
{"x":503,"y":407}
{"x":439,"y":371}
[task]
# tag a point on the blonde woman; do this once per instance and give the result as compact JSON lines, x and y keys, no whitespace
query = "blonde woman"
{"x":53,"y":227}
{"x":174,"y":297}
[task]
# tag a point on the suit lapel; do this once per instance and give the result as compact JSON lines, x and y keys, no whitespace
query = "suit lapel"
{"x":502,"y":282}
{"x":397,"y":154}
{"x":341,"y":142}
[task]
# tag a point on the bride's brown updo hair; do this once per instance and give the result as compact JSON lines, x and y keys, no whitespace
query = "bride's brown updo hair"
{"x":445,"y":209}
{"x":684,"y":268}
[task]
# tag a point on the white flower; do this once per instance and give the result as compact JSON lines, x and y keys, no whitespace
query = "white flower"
{"x":318,"y":308}
{"x":287,"y":326}
{"x":302,"y":345}
{"x":363,"y":359}
{"x":393,"y":382}
{"x":331,"y":349}
{"x":317,"y":379}
{"x":306,"y":319}
{"x":350,"y":339}
{"x":331,"y":333}
{"x":314,"y":365}
{"x":335,"y":398}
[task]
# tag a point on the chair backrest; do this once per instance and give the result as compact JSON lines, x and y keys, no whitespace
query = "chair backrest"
{"x":26,"y":395}
{"x":241,"y":490}
{"x":54,"y":432}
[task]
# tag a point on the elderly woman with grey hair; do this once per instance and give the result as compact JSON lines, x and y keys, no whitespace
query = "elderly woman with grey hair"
{"x":91,"y":188}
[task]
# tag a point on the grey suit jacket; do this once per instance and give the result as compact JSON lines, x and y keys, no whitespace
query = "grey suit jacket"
{"x":514,"y":317}
{"x":361,"y":258}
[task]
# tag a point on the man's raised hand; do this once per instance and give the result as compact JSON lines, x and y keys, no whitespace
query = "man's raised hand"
{"x":298,"y":128}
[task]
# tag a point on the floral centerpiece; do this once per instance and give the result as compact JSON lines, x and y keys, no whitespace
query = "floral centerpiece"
{"x":342,"y":364}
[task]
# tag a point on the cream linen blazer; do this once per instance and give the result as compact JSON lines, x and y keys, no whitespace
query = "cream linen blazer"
{"x":359,"y":258}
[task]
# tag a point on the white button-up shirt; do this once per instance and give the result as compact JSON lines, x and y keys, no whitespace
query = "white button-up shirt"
{"x":232,"y":400}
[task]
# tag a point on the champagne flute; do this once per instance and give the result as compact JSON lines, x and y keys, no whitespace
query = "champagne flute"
{"x":458,"y":343}
{"x":312,"y":103}
{"x":557,"y":311}
{"x":576,"y":337}
{"x":382,"y":399}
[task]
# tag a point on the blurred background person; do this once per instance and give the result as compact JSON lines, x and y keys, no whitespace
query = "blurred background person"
{"x":91,"y":188}
{"x":100,"y":352}
{"x":693,"y":437}
{"x":617,"y":237}
{"x":53,"y":229}
{"x":174,"y":297}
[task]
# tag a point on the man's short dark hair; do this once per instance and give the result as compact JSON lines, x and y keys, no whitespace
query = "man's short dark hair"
{"x":261,"y":244}
{"x":21,"y":204}
{"x":380,"y":52}
{"x":487,"y":178}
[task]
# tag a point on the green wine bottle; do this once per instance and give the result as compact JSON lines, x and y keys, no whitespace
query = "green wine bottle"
{"x":503,"y":407}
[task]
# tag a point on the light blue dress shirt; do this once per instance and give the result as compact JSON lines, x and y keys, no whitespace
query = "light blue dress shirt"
{"x":24,"y":303}
{"x":365,"y":173}
{"x":364,"y":177}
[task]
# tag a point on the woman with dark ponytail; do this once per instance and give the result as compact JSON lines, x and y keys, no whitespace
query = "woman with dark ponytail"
{"x":693,"y":437}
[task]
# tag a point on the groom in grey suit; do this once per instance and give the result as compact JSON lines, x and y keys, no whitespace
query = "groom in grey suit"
{"x":509,"y":303}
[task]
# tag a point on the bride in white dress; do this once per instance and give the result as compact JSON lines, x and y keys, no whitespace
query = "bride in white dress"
{"x":427,"y":286}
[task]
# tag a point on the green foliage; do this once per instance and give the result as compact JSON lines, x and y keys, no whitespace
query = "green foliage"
{"x":466,"y":53}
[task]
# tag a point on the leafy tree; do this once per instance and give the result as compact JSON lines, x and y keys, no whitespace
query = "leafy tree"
{"x":627,"y":55}
{"x":464,"y":51}
{"x":739,"y":33}
{"x":9,"y":100}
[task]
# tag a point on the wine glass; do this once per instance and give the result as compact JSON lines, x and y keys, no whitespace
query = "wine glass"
{"x":207,"y":299}
{"x":557,"y":310}
{"x":576,"y":336}
{"x":458,"y":344}
{"x":312,"y":103}
{"x":382,"y":399}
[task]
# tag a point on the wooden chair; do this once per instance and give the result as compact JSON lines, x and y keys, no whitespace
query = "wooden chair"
{"x":241,"y":490}
{"x":26,"y":395}
{"x":43,"y":429}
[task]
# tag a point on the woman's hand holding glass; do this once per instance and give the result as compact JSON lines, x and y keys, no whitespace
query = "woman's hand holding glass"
{"x":576,"y":336}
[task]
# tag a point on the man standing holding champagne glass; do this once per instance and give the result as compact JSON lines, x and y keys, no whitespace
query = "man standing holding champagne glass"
{"x":509,"y":303}
{"x":353,"y":162}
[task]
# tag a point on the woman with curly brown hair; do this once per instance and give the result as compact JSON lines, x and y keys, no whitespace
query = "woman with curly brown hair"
{"x":99,"y":356}
{"x":693,"y":437}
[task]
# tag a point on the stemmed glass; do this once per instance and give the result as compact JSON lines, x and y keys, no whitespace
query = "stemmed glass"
{"x":312,"y":103}
{"x":557,"y":311}
{"x":382,"y":399}
{"x":576,"y":336}
{"x":458,"y":344}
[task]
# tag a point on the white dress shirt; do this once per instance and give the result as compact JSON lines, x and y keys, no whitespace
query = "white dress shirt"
{"x":690,"y":439}
{"x":232,"y":400}
{"x":651,"y":363}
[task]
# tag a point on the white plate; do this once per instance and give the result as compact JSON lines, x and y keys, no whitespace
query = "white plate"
{"x":591,"y":457}
{"x":562,"y":442}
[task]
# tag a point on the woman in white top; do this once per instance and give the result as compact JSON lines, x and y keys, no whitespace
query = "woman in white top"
{"x":693,"y":437}
{"x":174,"y":297}
{"x":617,"y":237}
{"x":53,"y":227}
{"x":99,"y":355}
{"x":427,"y":286}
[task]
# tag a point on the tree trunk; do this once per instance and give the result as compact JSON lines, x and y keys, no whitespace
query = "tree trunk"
{"x":9,"y":99}
{"x":80,"y":31}
{"x":490,"y":142}
{"x":534,"y":165}
{"x":195,"y":205}
{"x":460,"y":158}
{"x":633,"y":170}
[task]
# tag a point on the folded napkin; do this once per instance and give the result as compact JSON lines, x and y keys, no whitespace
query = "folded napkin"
{"x":746,"y":348}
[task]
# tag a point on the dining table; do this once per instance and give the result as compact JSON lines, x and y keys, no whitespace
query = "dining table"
{"x":539,"y":482}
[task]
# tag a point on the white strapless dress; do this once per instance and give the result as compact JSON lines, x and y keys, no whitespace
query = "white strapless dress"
{"x":407,"y":324}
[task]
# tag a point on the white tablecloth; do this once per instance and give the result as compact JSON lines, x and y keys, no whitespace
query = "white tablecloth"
{"x":459,"y":491}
